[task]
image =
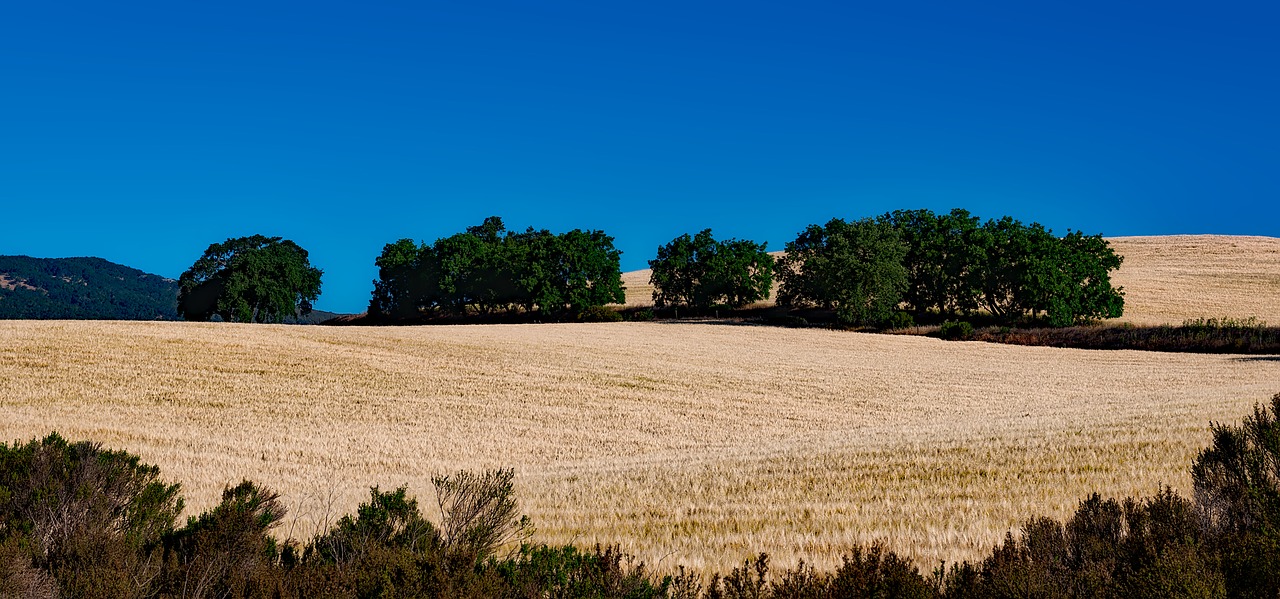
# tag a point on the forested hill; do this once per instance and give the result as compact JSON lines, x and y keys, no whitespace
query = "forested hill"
{"x":83,"y":288}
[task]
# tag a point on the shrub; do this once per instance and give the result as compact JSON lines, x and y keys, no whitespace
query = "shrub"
{"x":93,"y":519}
{"x":599,"y":314}
{"x":786,"y":320}
{"x":878,"y":572}
{"x":227,"y":550}
{"x":566,"y":572}
{"x":955,"y":330}
{"x":643,"y":315}
{"x":900,"y":320}
{"x":1237,"y":491}
{"x":479,"y":513}
{"x":390,"y":519}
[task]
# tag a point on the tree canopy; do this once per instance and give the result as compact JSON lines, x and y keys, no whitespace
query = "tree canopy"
{"x":1011,"y":270}
{"x":699,"y":272}
{"x":855,"y":268}
{"x":249,"y":279}
{"x":487,"y":269}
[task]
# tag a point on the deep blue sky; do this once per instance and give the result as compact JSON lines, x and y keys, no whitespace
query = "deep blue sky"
{"x":141,"y":132}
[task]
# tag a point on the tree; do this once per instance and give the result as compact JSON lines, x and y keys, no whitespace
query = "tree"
{"x":489,"y":269}
{"x":855,"y":268}
{"x":589,"y":270}
{"x":699,"y":271}
{"x":408,"y":280}
{"x":942,"y":255}
{"x":249,"y":279}
{"x":1025,"y":270}
{"x":1085,"y":291}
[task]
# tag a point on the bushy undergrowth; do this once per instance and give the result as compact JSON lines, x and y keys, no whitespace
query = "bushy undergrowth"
{"x":956,"y":330}
{"x":80,"y":521}
{"x":1212,"y":335}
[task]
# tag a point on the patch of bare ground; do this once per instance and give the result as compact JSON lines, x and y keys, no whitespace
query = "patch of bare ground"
{"x":687,"y":443}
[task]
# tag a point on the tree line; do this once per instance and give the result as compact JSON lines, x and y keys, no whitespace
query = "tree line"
{"x":487,"y":269}
{"x":867,"y":272}
{"x":80,"y":521}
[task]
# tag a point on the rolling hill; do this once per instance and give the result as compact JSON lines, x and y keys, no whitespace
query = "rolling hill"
{"x":82,"y":288}
{"x":92,"y":289}
{"x":688,"y":443}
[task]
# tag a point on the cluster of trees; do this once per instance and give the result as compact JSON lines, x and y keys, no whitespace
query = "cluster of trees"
{"x":866,"y":270}
{"x":488,"y":269}
{"x":957,"y":266}
{"x":249,"y":279}
{"x":701,"y":272}
{"x":78,"y":521}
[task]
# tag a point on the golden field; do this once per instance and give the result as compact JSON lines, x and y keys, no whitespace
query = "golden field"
{"x":693,"y":444}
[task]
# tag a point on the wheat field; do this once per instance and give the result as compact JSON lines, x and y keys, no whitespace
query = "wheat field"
{"x":693,"y":444}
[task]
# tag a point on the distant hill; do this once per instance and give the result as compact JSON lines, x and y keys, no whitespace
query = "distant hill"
{"x":92,"y":289}
{"x":83,"y":288}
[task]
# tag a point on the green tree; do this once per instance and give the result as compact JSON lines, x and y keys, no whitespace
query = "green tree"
{"x":855,"y":268}
{"x":408,"y":280}
{"x":1084,"y":290}
{"x":249,"y":279}
{"x":488,"y":269}
{"x":1025,"y":271}
{"x":942,"y":255}
{"x":589,"y":270}
{"x":699,"y":271}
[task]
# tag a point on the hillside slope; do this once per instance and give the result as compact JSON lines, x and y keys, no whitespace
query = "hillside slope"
{"x":1171,"y":278}
{"x":698,"y":444}
{"x":82,"y":288}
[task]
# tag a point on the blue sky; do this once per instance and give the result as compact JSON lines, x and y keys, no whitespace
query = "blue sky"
{"x":142,"y":132}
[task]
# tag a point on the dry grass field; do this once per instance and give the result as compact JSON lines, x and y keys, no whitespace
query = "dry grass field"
{"x":691,"y":444}
{"x":1172,"y":278}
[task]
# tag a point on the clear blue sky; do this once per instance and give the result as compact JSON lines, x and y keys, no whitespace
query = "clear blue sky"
{"x":141,"y":132}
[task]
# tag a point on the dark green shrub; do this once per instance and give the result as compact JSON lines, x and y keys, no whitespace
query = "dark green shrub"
{"x":900,"y":320}
{"x":644,"y":315}
{"x":1237,"y":492}
{"x":566,"y":572}
{"x":93,"y":519}
{"x":747,"y":582}
{"x":786,"y":320}
{"x":802,"y":582}
{"x":228,"y":550}
{"x":388,"y":520}
{"x":878,"y":572}
{"x":954,"y":330}
{"x":599,"y":314}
